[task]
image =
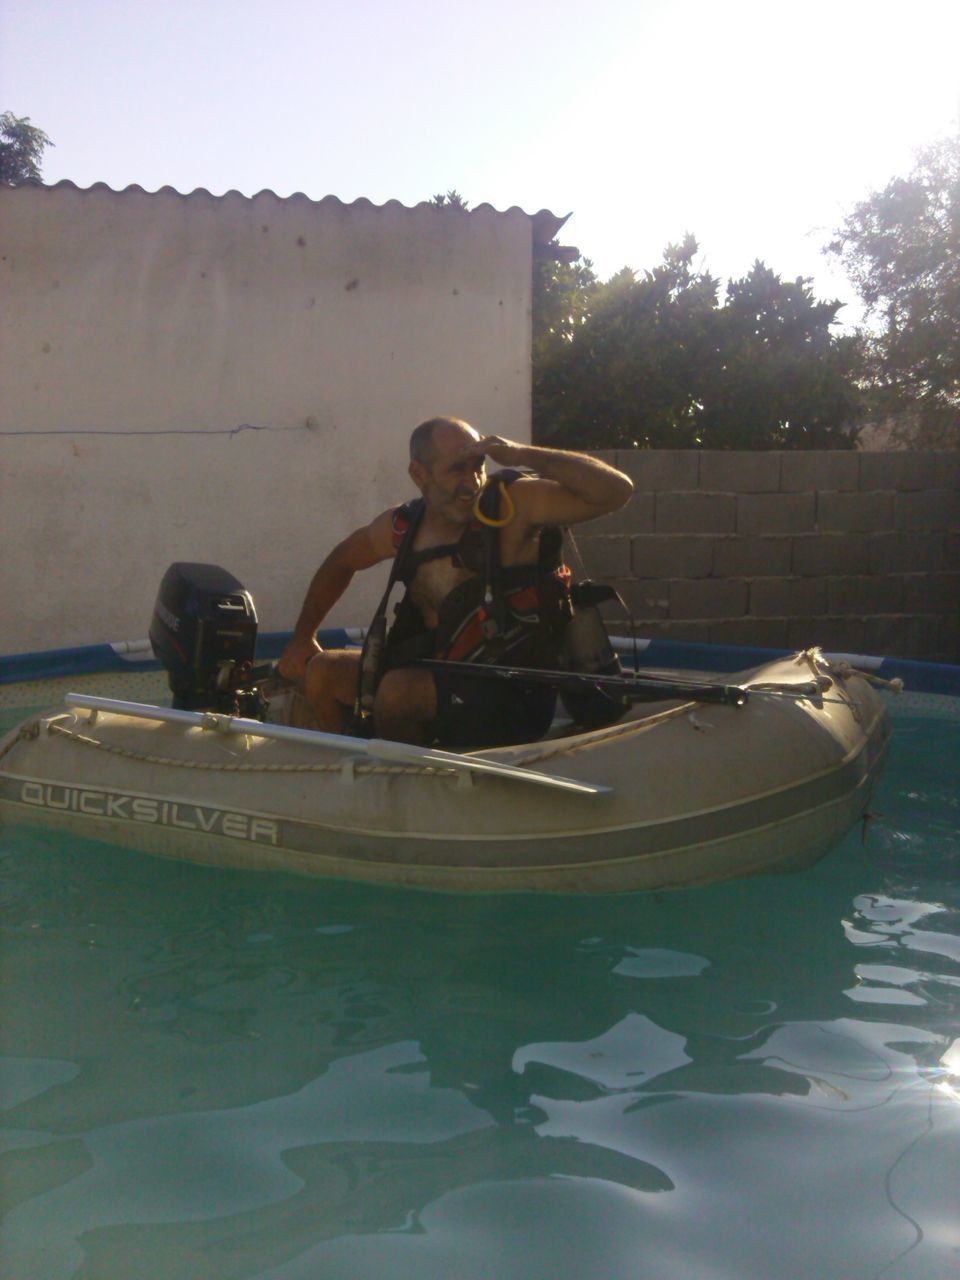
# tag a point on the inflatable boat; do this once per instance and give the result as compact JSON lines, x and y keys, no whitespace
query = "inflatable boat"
{"x":702,"y":779}
{"x":679,"y":792}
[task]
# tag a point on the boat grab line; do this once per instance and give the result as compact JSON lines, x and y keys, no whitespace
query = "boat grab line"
{"x":345,"y":767}
{"x":219,"y":766}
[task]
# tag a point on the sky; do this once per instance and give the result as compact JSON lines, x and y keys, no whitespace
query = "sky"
{"x":755,"y":126}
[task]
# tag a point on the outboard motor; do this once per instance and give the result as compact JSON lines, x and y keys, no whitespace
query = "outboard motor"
{"x":204,"y":633}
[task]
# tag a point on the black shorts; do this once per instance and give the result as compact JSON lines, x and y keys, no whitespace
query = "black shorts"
{"x":476,"y":712}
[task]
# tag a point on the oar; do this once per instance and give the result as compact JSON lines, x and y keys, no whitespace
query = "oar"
{"x":631,"y":687}
{"x":378,"y":748}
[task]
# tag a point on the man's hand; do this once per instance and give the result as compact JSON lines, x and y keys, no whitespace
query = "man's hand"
{"x":294,"y":659}
{"x":569,"y":487}
{"x":497,"y":450}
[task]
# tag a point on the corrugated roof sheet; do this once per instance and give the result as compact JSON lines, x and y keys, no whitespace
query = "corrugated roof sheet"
{"x":545,"y":224}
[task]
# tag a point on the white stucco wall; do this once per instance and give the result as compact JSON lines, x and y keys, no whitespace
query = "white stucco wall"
{"x":144,"y":336}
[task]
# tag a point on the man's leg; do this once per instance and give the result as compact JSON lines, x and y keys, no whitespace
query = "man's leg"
{"x":330,"y":685}
{"x":406,"y":703}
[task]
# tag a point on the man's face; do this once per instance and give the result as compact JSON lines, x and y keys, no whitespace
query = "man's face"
{"x":451,"y":483}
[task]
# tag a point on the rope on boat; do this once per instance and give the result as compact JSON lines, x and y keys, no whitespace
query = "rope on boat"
{"x":845,"y":670}
{"x":542,"y":751}
{"x":26,"y":731}
{"x":598,"y":737}
{"x":221,"y":767}
{"x":842,"y":670}
{"x":813,"y":658}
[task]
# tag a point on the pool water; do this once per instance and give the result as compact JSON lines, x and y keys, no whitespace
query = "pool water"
{"x":212,"y":1075}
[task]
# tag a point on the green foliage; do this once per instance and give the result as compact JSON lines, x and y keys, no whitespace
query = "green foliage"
{"x":901,"y":248}
{"x":22,"y":146}
{"x":657,"y":362}
{"x":450,"y":200}
{"x":562,"y":296}
{"x":783,"y":380}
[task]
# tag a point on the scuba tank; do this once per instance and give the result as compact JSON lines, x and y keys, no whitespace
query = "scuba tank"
{"x":587,"y":649}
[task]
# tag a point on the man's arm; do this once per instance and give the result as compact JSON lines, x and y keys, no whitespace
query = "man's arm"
{"x":361,"y":550}
{"x":569,"y":487}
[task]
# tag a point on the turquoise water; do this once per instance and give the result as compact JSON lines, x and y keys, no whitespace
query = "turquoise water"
{"x":211,"y":1074}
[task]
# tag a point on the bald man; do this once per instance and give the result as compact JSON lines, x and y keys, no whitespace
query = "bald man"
{"x":482,"y":586}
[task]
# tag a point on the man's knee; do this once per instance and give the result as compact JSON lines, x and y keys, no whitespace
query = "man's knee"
{"x":333,"y":674}
{"x":406,"y":694}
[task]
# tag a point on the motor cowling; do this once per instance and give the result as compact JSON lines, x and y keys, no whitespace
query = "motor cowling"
{"x":204,"y":634}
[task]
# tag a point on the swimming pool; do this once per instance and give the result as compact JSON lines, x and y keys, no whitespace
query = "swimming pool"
{"x":212,"y":1074}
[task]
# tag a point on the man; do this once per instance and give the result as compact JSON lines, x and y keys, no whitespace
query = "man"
{"x":447,"y":464}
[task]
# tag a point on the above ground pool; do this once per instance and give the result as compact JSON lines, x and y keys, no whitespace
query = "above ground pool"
{"x":222,"y":1075}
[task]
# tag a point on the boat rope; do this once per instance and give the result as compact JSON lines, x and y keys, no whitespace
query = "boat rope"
{"x":845,"y":670}
{"x":536,"y":753}
{"x":25,"y":732}
{"x":598,"y":737}
{"x":818,"y":666}
{"x":222,"y":767}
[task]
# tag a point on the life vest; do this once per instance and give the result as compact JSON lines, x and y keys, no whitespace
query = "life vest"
{"x":514,"y":614}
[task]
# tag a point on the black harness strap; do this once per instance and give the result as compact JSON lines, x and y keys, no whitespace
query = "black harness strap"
{"x":371,"y":655}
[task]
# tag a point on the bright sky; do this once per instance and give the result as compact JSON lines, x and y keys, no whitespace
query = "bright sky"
{"x":756,"y":126}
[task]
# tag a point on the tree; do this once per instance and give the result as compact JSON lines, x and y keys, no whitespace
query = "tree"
{"x":22,"y":146}
{"x":901,"y":248}
{"x":630,"y":373}
{"x":783,"y":380}
{"x":657,"y":362}
{"x":562,"y":298}
{"x":450,"y":200}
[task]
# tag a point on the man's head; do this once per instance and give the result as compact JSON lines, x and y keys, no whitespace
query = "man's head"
{"x":443,"y":468}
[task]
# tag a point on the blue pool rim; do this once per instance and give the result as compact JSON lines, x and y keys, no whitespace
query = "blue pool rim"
{"x":96,"y":659}
{"x":52,"y":664}
{"x":917,"y":677}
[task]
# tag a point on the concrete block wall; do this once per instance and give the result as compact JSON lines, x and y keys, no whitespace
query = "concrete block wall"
{"x":854,"y":552}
